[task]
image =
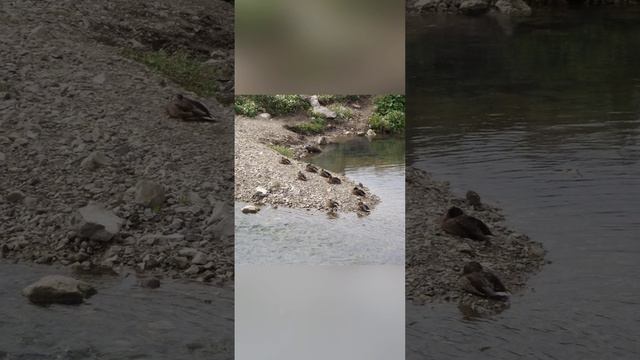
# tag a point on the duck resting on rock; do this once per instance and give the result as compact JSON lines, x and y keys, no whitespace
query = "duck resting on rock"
{"x":312,"y":149}
{"x":310,"y":168}
{"x":456,"y":222}
{"x":324,"y":173}
{"x":358,"y":191}
{"x":479,"y":281}
{"x":363,"y":207}
{"x":334,"y":180}
{"x":332,"y":204}
{"x":181,"y":107}
{"x":302,"y":176}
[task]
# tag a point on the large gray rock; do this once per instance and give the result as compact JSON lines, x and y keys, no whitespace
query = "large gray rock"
{"x":149,"y":194}
{"x":474,"y":7}
{"x":513,"y":7}
{"x":97,"y":223}
{"x":58,"y":289}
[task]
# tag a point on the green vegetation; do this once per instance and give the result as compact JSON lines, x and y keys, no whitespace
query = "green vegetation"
{"x":282,"y":150}
{"x":244,"y":105}
{"x":315,"y":126}
{"x":343,"y":112}
{"x":276,"y":105}
{"x":389,"y":115}
{"x":180,"y":67}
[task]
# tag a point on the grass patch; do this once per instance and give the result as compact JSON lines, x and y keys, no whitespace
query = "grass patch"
{"x":282,"y":150}
{"x":180,"y":67}
{"x":315,"y":126}
{"x":246,"y":106}
{"x":389,"y":116}
{"x":341,"y":111}
{"x":387,"y":103}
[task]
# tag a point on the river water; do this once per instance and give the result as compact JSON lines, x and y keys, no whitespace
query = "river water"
{"x":180,"y":320}
{"x":542,"y":118}
{"x":293,"y":236}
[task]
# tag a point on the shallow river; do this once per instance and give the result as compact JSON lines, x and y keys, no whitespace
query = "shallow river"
{"x":541,"y":117}
{"x":123,"y":321}
{"x":293,"y":236}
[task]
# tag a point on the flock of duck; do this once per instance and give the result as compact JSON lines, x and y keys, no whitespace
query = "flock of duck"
{"x":475,"y":279}
{"x":331,"y":204}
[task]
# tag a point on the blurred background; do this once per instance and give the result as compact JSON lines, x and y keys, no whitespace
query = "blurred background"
{"x":331,"y":46}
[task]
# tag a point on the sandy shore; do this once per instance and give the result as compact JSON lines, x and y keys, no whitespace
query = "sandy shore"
{"x":257,"y":165}
{"x":435,"y":259}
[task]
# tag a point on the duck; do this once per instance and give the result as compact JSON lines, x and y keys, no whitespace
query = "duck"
{"x":474,"y":199}
{"x":358,"y":191}
{"x":332,"y":214}
{"x":332,"y":204}
{"x":479,"y":281}
{"x":301,"y":176}
{"x":334,"y":180}
{"x":181,"y":107}
{"x":363,"y":207}
{"x":311,"y":149}
{"x":311,"y":168}
{"x":285,"y":161}
{"x":456,"y":222}
{"x":325,"y":173}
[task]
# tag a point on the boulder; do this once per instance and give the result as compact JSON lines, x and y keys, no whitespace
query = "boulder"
{"x":474,"y":7}
{"x":58,"y":289}
{"x":95,"y":222}
{"x":513,"y":7}
{"x":149,"y":194}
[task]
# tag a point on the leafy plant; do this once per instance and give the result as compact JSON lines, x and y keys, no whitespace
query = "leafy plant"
{"x":315,"y":126}
{"x":244,"y":105}
{"x":387,"y":103}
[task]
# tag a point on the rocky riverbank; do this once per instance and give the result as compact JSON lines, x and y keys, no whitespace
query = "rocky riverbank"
{"x":258,"y":166}
{"x":434,"y":259}
{"x":94,"y":173}
{"x":505,"y":7}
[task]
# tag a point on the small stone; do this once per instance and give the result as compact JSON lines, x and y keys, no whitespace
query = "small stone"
{"x":199,"y":259}
{"x":265,"y":116}
{"x":149,"y":194}
{"x":59,"y":290}
{"x":250,"y":209}
{"x":371,"y":133}
{"x":94,"y":161}
{"x":15,"y":197}
{"x":192,"y":270}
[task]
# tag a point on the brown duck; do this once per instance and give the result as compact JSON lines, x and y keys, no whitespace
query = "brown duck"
{"x":456,"y":222}
{"x":363,"y":207}
{"x":181,"y":107}
{"x":358,"y":191}
{"x":334,"y":180}
{"x":285,"y":161}
{"x":312,"y":149}
{"x":476,"y":280}
{"x":474,"y":199}
{"x":332,"y":204}
{"x":311,"y":168}
{"x":325,"y":173}
{"x":301,"y":176}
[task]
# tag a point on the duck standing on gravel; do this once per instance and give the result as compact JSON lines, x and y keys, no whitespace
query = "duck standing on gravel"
{"x":474,"y":199}
{"x":358,"y":191}
{"x":181,"y":107}
{"x":310,"y":168}
{"x":363,"y":207}
{"x":456,"y":222}
{"x":285,"y":161}
{"x":312,"y":149}
{"x":302,"y":176}
{"x":478,"y":281}
{"x":334,"y":180}
{"x":332,"y":204}
{"x":324,"y":173}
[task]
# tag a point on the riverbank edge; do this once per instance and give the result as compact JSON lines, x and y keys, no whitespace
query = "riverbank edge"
{"x":259,"y":136}
{"x":434,"y":259}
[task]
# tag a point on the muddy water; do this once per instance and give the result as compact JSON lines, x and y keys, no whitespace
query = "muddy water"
{"x":123,"y":321}
{"x":541,"y":117}
{"x":293,"y":236}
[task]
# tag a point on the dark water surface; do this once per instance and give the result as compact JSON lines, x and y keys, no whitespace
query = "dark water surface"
{"x":541,"y":117}
{"x":294,"y":236}
{"x":122,"y":321}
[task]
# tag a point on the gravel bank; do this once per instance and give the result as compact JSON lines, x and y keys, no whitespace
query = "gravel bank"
{"x":434,"y":259}
{"x":258,"y":165}
{"x":80,"y":124}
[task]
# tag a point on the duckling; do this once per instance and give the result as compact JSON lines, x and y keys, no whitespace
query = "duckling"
{"x":301,"y":176}
{"x":456,"y":222}
{"x":334,"y":180}
{"x":478,"y":281}
{"x":285,"y":161}
{"x":358,"y":191}
{"x":474,"y":199}
{"x":363,"y":207}
{"x":312,"y":149}
{"x":310,"y":168}
{"x":332,"y":204}
{"x":325,"y":173}
{"x":187,"y":109}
